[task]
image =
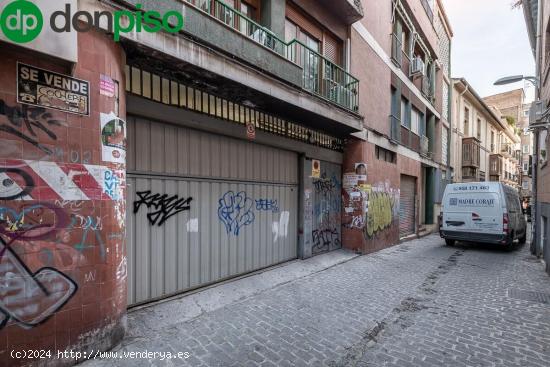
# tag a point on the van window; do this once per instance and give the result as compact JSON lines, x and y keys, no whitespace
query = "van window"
{"x":466,"y":202}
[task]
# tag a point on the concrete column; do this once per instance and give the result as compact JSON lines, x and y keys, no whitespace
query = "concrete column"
{"x":273,"y":16}
{"x":62,"y":206}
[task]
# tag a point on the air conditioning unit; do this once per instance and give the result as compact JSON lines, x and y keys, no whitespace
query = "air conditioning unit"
{"x":536,"y":111}
{"x":417,"y":66}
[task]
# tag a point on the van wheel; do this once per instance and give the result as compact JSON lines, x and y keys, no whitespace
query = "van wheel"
{"x":450,"y":242}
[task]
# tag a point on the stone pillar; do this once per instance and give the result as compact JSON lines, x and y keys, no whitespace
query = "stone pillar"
{"x":273,"y":16}
{"x":62,"y":206}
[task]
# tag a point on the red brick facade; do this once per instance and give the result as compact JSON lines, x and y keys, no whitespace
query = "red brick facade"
{"x":62,"y":213}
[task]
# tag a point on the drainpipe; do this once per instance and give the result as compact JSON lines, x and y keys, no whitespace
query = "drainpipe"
{"x":459,"y":141}
{"x":534,"y":216}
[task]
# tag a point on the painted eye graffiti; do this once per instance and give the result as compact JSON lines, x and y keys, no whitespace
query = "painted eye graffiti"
{"x":14,"y":183}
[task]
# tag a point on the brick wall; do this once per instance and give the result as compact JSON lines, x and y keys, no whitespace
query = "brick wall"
{"x":62,"y":211}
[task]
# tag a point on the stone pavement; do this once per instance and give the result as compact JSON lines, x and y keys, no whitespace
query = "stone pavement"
{"x":417,"y":304}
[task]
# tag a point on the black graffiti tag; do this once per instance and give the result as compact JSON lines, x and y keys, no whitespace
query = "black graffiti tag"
{"x":165,"y":206}
{"x":31,"y":118}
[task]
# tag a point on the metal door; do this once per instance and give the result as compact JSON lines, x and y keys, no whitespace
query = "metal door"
{"x":407,"y":206}
{"x":327,"y":209}
{"x":203,"y":208}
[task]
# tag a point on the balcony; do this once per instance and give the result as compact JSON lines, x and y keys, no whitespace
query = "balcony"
{"x":471,"y":152}
{"x":319,"y":75}
{"x":349,"y":11}
{"x":506,"y":150}
{"x":496,"y":164}
{"x":324,"y":78}
{"x":224,"y":28}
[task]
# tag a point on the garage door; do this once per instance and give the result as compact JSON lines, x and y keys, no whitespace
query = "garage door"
{"x":203,"y":208}
{"x":408,"y":207}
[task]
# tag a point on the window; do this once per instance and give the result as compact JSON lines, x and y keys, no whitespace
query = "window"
{"x":415,"y":121}
{"x":443,"y":175}
{"x":479,"y":129}
{"x":526,"y":149}
{"x":405,"y":114}
{"x":525,"y":167}
{"x":386,"y":155}
{"x":492,"y":141}
{"x":526,"y":113}
{"x":525,"y":185}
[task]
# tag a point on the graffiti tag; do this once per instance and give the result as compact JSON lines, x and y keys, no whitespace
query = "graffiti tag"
{"x":165,"y":206}
{"x":267,"y":205}
{"x":235,"y":211}
{"x":32,"y":119}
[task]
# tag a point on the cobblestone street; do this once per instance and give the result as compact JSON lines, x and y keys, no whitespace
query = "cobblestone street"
{"x":417,"y":304}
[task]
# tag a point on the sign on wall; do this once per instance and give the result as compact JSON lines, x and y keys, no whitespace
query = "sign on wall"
{"x":43,"y":88}
{"x":113,"y":138}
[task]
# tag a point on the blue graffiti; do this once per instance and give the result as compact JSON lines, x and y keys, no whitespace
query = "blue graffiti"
{"x":235,"y":211}
{"x":267,"y":205}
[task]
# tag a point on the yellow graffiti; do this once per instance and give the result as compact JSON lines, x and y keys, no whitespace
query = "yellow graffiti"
{"x":380,"y":212}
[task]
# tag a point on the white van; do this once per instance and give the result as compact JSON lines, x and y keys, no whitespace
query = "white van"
{"x":488,"y":212}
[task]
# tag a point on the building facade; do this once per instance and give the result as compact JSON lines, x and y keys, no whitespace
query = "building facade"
{"x":484,"y":145}
{"x":537,"y":17}
{"x":402,"y":143}
{"x":513,"y":109}
{"x":143,"y":163}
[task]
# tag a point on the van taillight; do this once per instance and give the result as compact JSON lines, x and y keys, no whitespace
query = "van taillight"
{"x":505,"y":222}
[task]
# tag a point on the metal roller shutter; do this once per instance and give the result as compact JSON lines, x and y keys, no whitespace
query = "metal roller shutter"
{"x":408,"y":207}
{"x":230,"y":208}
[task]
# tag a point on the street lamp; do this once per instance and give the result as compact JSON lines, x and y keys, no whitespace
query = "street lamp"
{"x":536,"y":82}
{"x":517,"y":78}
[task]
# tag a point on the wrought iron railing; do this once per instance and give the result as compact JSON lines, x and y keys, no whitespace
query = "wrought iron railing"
{"x":323,"y":77}
{"x":320,"y":75}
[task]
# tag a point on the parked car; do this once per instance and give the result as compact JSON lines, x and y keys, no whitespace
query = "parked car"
{"x":486,"y":212}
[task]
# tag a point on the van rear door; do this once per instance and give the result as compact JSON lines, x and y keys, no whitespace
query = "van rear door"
{"x":467,"y":211}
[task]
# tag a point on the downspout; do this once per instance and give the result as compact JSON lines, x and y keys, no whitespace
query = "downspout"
{"x":459,"y":140}
{"x":534,"y":235}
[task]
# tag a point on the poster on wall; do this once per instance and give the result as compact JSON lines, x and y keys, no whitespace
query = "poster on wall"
{"x":315,"y":168}
{"x":113,"y":138}
{"x":43,"y":88}
{"x":106,"y":86}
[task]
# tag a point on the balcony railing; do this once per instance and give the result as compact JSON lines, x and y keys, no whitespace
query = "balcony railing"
{"x":323,"y":77}
{"x":506,"y":149}
{"x":320,"y":76}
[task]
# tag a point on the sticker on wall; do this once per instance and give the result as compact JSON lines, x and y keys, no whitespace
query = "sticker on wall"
{"x":315,"y":168}
{"x":113,"y":138}
{"x":250,"y":130}
{"x":106,"y":86}
{"x":39,"y":87}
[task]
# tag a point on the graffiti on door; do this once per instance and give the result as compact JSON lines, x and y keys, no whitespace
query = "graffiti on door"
{"x":164,"y":206}
{"x":235,"y":211}
{"x":326,"y":213}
